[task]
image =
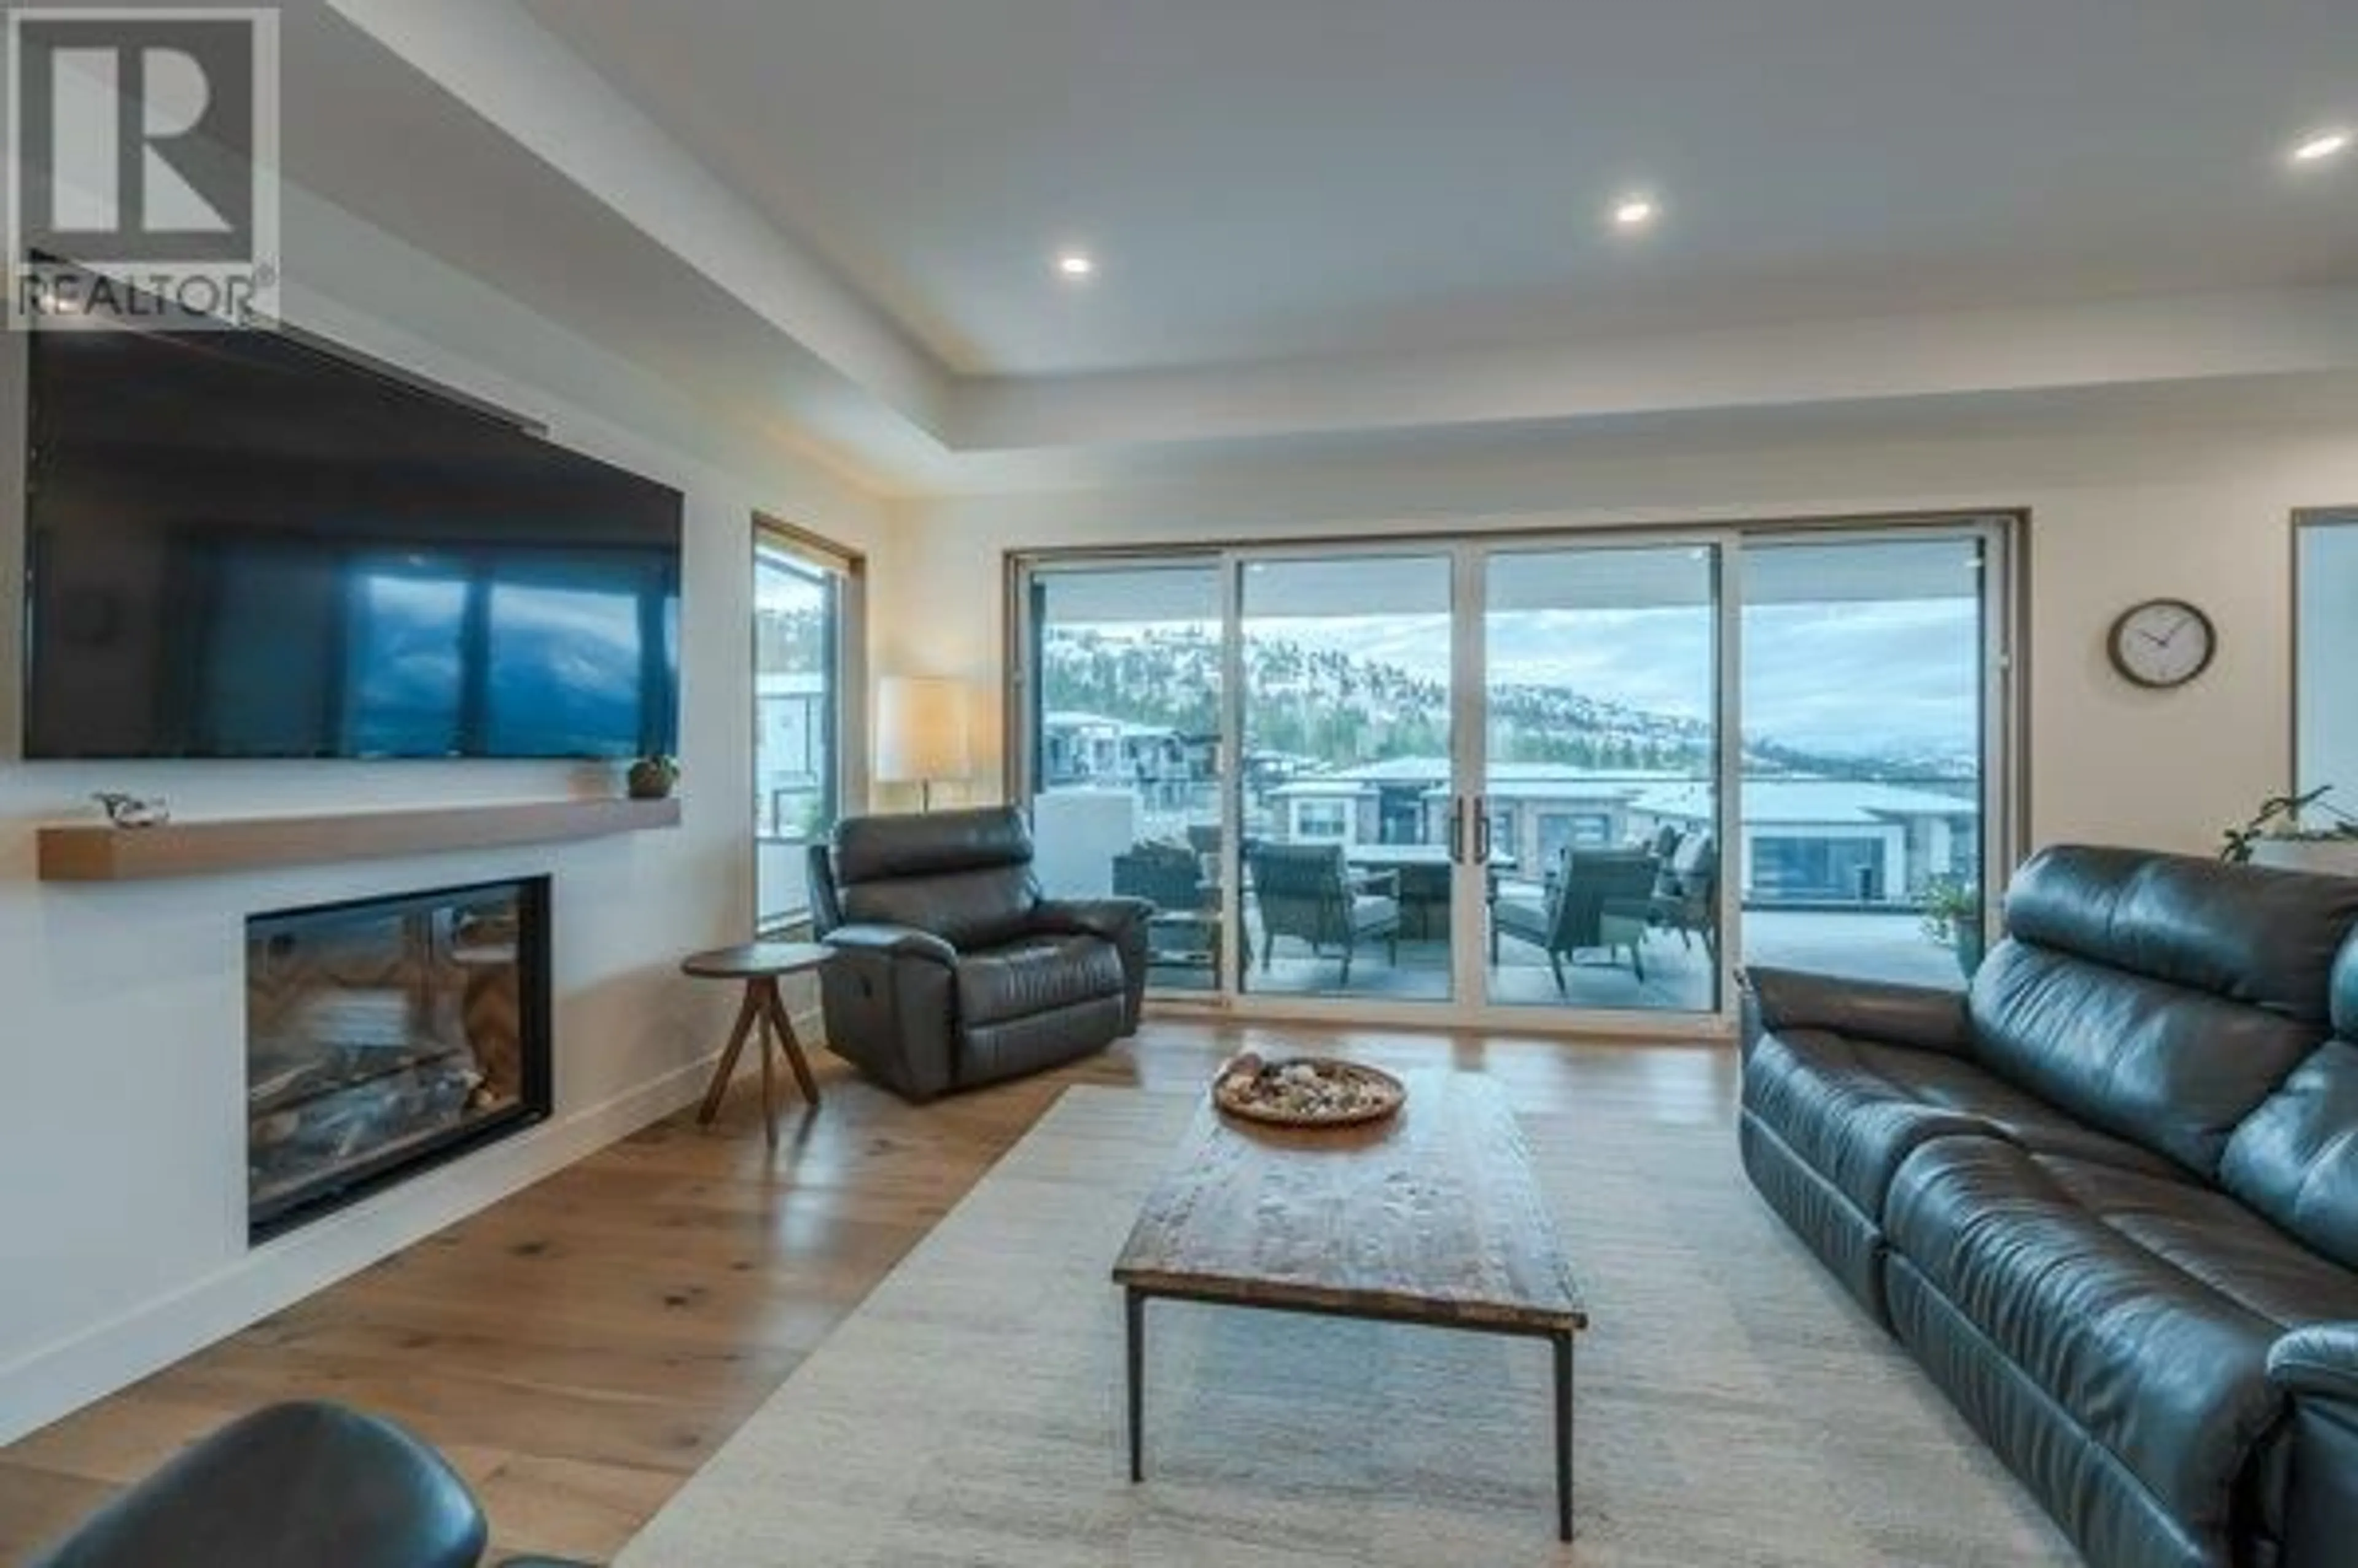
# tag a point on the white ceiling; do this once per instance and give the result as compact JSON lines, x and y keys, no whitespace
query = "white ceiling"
{"x":1273,"y":179}
{"x":1359,"y":226}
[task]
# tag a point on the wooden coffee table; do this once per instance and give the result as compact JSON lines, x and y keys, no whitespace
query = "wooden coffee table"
{"x":1432,"y":1217}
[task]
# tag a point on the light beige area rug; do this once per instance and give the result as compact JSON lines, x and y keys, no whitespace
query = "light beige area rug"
{"x":1732,"y":1406}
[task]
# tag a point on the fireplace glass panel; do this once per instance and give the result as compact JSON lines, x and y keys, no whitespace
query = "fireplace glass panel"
{"x":385,"y":1036}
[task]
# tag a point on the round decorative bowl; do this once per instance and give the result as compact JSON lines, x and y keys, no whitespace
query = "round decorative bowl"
{"x":1306,"y":1091}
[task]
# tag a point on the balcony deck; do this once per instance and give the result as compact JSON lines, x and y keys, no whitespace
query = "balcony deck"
{"x":1871,"y":945}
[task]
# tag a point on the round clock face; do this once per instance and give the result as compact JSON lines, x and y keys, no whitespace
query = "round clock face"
{"x":2163,"y":643}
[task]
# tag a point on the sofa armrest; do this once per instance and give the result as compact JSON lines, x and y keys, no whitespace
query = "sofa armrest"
{"x":1118,"y":921}
{"x":2318,"y":1361}
{"x":1111,"y":918}
{"x":891,"y":997}
{"x":893,"y":942}
{"x":1925,"y":1017}
{"x":2317,"y":1368}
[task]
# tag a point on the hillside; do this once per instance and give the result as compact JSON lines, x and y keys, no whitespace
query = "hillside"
{"x":1342,"y":709}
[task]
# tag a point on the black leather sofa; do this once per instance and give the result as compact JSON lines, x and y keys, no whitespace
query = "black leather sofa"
{"x":302,"y":1485}
{"x":951,"y":970}
{"x":2109,"y":1199}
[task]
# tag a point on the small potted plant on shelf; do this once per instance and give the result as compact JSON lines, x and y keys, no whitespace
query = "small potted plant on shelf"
{"x":652,"y":777}
{"x":2299,"y":833}
{"x":1953,"y":917}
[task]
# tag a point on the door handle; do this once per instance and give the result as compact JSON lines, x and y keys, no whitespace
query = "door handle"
{"x":1457,"y":830}
{"x":1481,"y":830}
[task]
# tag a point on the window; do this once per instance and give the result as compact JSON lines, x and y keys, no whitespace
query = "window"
{"x":1561,"y":830}
{"x":1322,"y":820}
{"x":805,"y":616}
{"x":1817,"y":869}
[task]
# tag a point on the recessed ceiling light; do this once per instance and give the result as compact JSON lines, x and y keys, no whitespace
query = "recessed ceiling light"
{"x":1634,"y":212}
{"x":2323,"y":145}
{"x":1076,"y":263}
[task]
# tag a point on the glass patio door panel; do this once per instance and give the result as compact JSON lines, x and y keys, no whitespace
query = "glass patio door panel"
{"x":1601,"y":697}
{"x":1345,"y":785}
{"x":1866,"y":698}
{"x":1128,"y":664}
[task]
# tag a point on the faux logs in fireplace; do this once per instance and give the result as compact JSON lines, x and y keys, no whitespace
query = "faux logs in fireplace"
{"x":387,"y":1035}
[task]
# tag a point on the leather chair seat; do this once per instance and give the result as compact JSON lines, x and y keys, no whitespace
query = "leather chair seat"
{"x":1853,"y":1109}
{"x":1035,"y":973}
{"x":2143,"y":1304}
{"x":293,"y":1486}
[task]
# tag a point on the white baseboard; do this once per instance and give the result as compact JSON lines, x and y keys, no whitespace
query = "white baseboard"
{"x":61,"y":1377}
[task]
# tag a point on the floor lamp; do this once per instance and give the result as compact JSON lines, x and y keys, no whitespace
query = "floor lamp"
{"x":922,"y":732}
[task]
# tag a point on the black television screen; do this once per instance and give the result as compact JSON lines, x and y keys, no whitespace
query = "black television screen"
{"x":238,"y":545}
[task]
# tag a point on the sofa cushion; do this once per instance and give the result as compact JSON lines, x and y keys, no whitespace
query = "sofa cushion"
{"x":2144,"y":1306}
{"x":2345,"y":989}
{"x":2245,"y":934}
{"x":2161,"y":998}
{"x":932,"y":843}
{"x":966,"y":876}
{"x":967,"y":909}
{"x":2171,"y":1068}
{"x":1035,"y":975}
{"x":1853,"y":1109}
{"x":2295,"y":1158}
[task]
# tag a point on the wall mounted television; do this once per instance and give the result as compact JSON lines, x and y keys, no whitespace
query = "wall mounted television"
{"x":240,"y":545}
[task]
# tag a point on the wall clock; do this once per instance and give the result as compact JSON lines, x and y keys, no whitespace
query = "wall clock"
{"x":2163,"y":643}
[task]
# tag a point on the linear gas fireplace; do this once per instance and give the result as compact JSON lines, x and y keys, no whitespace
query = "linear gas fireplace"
{"x":387,"y":1035}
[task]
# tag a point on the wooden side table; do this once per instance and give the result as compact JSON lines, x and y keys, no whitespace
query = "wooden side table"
{"x":761,"y":965}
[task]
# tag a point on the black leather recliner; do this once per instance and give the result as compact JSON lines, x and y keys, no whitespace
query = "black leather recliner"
{"x":2109,"y":1199}
{"x":951,"y":970}
{"x":291,"y":1485}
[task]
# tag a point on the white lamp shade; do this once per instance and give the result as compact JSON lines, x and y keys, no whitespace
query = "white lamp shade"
{"x":921,"y":729}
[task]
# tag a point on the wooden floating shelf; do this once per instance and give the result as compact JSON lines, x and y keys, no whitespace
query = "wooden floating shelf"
{"x":102,"y":853}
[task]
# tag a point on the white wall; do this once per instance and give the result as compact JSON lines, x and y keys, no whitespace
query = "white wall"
{"x":122,"y":1119}
{"x":2189,"y":507}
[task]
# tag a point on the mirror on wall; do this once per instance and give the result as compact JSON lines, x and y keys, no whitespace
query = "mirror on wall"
{"x":2325,"y":653}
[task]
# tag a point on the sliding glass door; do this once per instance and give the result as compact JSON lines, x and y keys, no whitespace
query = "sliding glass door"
{"x":1347,"y":784}
{"x":1601,"y":777}
{"x":1126,"y":671}
{"x":1573,"y":777}
{"x":1871,"y":679}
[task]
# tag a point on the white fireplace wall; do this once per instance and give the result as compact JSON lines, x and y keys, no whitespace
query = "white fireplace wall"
{"x":122,"y":1070}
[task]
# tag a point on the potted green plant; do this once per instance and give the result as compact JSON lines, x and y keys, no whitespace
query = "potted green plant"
{"x":2296,"y":832}
{"x":1953,"y":917}
{"x":652,"y":777}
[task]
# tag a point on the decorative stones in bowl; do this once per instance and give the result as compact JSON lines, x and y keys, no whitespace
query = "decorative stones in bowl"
{"x":1306,"y":1091}
{"x":135,"y":811}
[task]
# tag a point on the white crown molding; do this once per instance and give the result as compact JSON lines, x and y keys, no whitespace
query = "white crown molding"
{"x":890,"y":412}
{"x":2117,"y":343}
{"x":495,"y":59}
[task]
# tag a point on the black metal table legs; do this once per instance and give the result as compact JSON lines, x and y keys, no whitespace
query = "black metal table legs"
{"x":1134,"y":1308}
{"x":1134,"y":1315}
{"x":1562,"y":1436}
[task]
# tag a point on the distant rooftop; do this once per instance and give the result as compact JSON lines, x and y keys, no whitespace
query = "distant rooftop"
{"x":1067,"y":718}
{"x":1816,"y":802}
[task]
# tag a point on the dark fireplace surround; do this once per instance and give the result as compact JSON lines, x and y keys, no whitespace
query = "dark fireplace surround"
{"x":387,"y":1035}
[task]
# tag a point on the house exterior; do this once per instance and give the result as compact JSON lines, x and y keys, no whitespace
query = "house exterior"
{"x":1803,"y":841}
{"x":1165,"y":764}
{"x":1838,"y":841}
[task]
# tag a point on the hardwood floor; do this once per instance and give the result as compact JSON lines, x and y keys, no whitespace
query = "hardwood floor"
{"x":578,"y":1349}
